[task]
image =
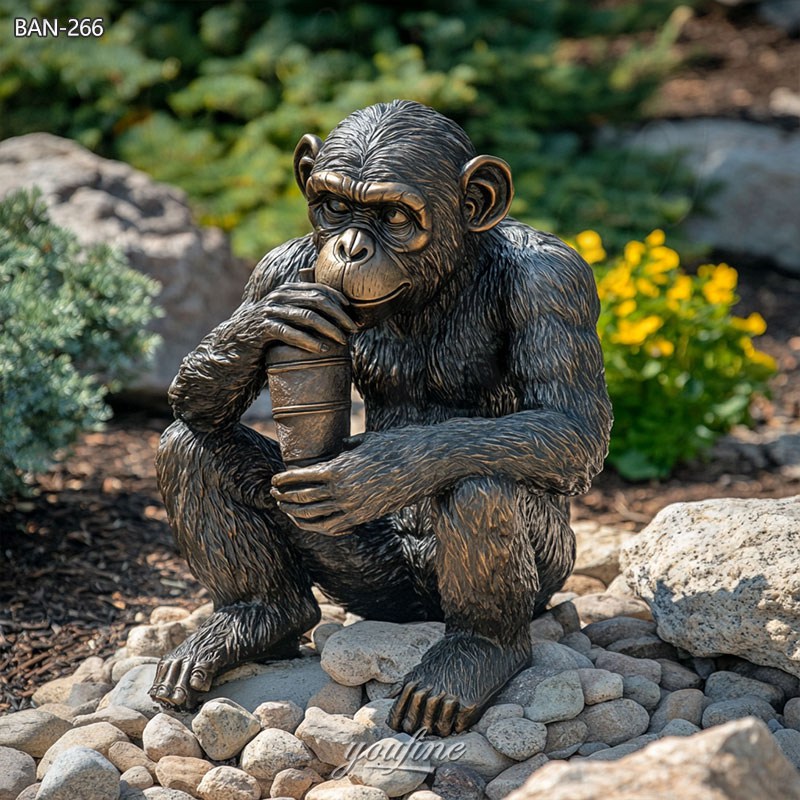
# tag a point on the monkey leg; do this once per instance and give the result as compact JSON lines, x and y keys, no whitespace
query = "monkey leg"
{"x":239,"y":551}
{"x":381,"y":570}
{"x":488,"y":583}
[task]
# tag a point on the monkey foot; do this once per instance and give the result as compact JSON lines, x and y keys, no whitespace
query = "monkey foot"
{"x":455,"y":681}
{"x":189,"y":670}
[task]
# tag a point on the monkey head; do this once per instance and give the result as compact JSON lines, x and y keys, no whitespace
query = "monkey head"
{"x":394,"y":194}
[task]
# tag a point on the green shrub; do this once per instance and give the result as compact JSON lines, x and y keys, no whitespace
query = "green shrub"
{"x":213,"y":96}
{"x":72,"y":324}
{"x":681,"y":368}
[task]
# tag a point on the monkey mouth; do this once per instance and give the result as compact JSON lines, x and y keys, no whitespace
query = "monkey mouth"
{"x":387,"y":298}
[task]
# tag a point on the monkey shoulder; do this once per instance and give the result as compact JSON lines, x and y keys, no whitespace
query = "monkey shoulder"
{"x":541,"y":275}
{"x":280,"y":265}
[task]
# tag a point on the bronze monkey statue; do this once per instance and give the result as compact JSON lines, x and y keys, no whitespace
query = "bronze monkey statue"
{"x":473,"y":343}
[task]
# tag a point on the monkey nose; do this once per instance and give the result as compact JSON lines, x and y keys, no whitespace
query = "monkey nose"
{"x":355,"y":246}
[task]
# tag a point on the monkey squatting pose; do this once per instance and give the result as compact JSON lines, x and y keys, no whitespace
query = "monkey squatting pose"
{"x":473,"y":344}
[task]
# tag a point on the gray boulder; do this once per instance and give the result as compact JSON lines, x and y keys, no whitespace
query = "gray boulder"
{"x":107,"y":201}
{"x":757,"y":168}
{"x":720,"y":577}
{"x":737,"y":761}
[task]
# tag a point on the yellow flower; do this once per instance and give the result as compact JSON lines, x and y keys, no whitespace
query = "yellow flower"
{"x":757,"y":356}
{"x":680,"y":290}
{"x":725,"y":276}
{"x":656,"y":238}
{"x":588,"y":240}
{"x":636,"y":332}
{"x":715,"y":293}
{"x":590,"y":246}
{"x":764,"y":359}
{"x":705,"y":270}
{"x":618,"y":282}
{"x":633,"y":253}
{"x":646,"y":287}
{"x":754,"y":324}
{"x":625,"y":308}
{"x":721,"y":283}
{"x":662,"y":259}
{"x":661,"y":348}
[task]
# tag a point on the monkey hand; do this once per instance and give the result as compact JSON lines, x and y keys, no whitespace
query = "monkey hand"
{"x":305,"y":315}
{"x":374,"y":479}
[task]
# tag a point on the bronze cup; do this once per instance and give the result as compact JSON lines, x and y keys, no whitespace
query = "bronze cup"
{"x":310,"y":395}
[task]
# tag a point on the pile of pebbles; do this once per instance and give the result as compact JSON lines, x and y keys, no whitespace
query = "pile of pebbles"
{"x":601,"y":685}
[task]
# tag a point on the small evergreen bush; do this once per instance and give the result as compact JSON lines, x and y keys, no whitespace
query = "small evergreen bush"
{"x":72,"y":326}
{"x":681,"y":368}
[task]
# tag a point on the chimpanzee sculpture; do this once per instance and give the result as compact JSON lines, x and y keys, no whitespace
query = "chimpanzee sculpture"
{"x":473,"y":344}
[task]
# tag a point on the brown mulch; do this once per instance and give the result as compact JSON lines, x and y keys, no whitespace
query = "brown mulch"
{"x":732,"y":63}
{"x":91,"y":555}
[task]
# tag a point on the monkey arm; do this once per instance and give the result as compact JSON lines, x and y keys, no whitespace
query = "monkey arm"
{"x":557,"y":443}
{"x":219,"y":380}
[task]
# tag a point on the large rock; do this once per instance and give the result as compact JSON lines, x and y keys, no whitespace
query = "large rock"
{"x":737,"y":761}
{"x":297,"y":680}
{"x":758,"y":171}
{"x":108,"y":201}
{"x":32,"y":731}
{"x":597,"y":549}
{"x":132,"y":691}
{"x":383,"y":651}
{"x":80,"y":772}
{"x":721,"y":578}
{"x":223,"y":728}
{"x":17,"y":772}
{"x":271,"y":752}
{"x":98,"y":736}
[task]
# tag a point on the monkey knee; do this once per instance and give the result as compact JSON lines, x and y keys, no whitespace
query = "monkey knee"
{"x":486,"y":506}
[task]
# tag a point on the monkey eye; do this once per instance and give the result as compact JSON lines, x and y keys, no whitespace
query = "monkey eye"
{"x":334,"y":208}
{"x":396,"y":216}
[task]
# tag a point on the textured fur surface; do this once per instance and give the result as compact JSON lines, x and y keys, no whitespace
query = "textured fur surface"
{"x":485,"y":408}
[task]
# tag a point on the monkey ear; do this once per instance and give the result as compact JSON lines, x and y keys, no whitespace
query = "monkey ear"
{"x":488,"y":191}
{"x":305,"y":154}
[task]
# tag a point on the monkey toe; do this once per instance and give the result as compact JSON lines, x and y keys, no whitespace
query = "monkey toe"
{"x":437,"y":713}
{"x":178,"y":682}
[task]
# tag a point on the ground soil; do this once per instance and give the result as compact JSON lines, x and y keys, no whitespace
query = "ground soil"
{"x":733,"y":65}
{"x":91,"y":554}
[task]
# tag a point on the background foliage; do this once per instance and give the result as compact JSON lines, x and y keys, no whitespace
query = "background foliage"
{"x":213,"y":96}
{"x":71,"y":328}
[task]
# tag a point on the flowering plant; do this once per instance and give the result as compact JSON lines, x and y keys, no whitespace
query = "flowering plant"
{"x":681,"y":368}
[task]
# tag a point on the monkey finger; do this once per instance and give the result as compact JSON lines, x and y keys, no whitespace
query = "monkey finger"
{"x":312,"y":494}
{"x":299,"y":478}
{"x":200,"y":678}
{"x":312,"y":286}
{"x":281,"y":332}
{"x":161,"y":671}
{"x":307,"y":319}
{"x":312,"y":512}
{"x":328,"y":303}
